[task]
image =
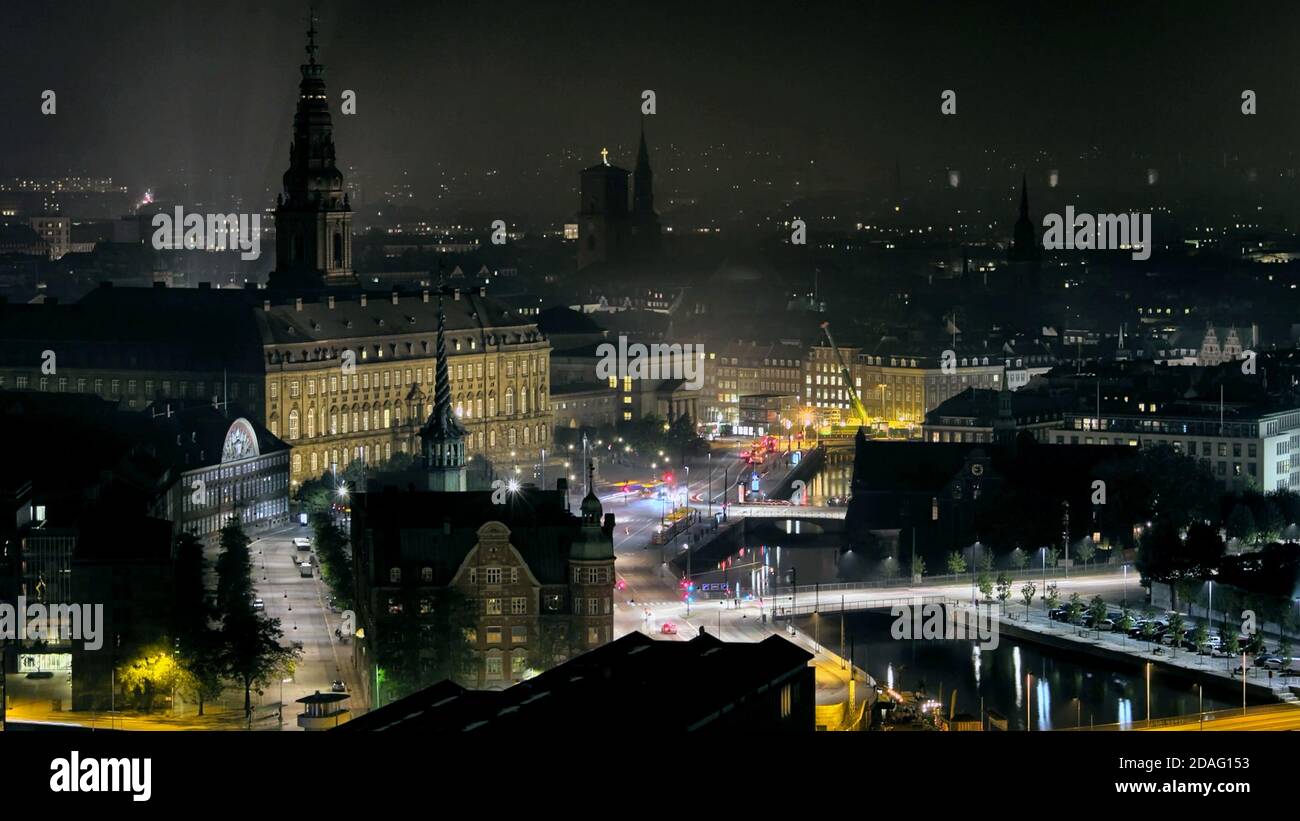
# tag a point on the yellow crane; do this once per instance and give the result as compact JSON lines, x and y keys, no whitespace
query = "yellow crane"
{"x":859,"y":409}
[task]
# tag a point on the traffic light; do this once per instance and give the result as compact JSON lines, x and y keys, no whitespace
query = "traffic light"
{"x":668,"y":476}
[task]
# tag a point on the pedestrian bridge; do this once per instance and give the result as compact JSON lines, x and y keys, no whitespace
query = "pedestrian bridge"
{"x":786,"y":511}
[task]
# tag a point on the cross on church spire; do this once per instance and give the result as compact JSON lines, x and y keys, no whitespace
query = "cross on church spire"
{"x":604,"y":156}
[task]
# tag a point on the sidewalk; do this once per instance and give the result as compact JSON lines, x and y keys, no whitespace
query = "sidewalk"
{"x":1180,"y":660}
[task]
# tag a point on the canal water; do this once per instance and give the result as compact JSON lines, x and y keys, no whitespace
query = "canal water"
{"x":1044,"y":688}
{"x":1031,"y":685}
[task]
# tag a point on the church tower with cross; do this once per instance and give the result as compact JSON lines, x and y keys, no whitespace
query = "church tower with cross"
{"x":604,"y":225}
{"x":313,"y":216}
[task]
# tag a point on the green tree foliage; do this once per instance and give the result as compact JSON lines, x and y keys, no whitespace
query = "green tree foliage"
{"x":1241,"y":524}
{"x":425,"y":641}
{"x":253,"y":654}
{"x":234,"y":571}
{"x":1027,"y":592}
{"x":331,"y":546}
{"x":198,"y":644}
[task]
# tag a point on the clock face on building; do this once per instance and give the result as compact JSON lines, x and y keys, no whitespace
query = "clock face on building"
{"x":241,"y":442}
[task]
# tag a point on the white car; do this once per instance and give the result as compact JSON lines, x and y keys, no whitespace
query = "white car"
{"x":258,"y":604}
{"x":302,"y":543}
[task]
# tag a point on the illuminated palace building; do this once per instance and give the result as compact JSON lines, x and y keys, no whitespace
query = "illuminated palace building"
{"x":338,"y":373}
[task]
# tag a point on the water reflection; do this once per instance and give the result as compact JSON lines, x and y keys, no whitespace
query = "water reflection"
{"x":1062,"y":690}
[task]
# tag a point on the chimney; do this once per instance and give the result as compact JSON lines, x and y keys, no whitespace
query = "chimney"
{"x":297,"y":304}
{"x":424,"y":295}
{"x":331,"y":301}
{"x":363,"y":300}
{"x":266,"y":305}
{"x":394,"y":296}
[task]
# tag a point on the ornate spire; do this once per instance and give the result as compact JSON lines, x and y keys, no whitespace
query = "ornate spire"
{"x":643,"y":197}
{"x":442,"y":423}
{"x":311,"y":37}
{"x":442,"y":436}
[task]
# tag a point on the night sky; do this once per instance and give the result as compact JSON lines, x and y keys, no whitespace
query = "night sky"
{"x":161,"y":93}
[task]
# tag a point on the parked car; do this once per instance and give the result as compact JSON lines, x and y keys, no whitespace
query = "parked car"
{"x":338,"y":686}
{"x":1268,"y":661}
{"x":1104,"y":624}
{"x":258,"y":604}
{"x":668,"y":629}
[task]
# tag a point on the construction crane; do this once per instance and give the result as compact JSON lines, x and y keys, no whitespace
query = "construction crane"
{"x":858,"y":408}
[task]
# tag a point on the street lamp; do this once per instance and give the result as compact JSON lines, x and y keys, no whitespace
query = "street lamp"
{"x":283,"y":681}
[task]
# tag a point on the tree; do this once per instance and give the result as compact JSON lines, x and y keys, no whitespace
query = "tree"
{"x":1097,"y":612}
{"x":1075,"y":608}
{"x":1051,"y":597}
{"x":1027,"y":592}
{"x":1051,"y":555}
{"x":1019,"y":558}
{"x":1126,"y":622}
{"x":1177,"y":627}
{"x":425,"y":640}
{"x":1241,"y":524}
{"x":1201,"y":637}
{"x":234,"y":571}
{"x":1268,"y":522}
{"x":985,"y":584}
{"x":1164,"y":557}
{"x":918,"y":565}
{"x":1004,"y":588}
{"x":198,"y":645}
{"x":956,"y":563}
{"x":1231,"y":642}
{"x":152,"y":672}
{"x":331,"y":545}
{"x":253,"y":654}
{"x":1085,"y":550}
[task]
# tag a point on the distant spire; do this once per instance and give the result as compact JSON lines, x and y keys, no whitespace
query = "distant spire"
{"x":442,"y":388}
{"x":311,"y":36}
{"x":642,"y":153}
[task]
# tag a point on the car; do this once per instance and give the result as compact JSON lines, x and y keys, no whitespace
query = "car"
{"x":1268,"y":661}
{"x":258,"y":604}
{"x":1103,"y":624}
{"x":302,"y":543}
{"x":668,"y":629}
{"x":40,"y":674}
{"x":305,"y":570}
{"x":1058,"y":614}
{"x":338,"y":686}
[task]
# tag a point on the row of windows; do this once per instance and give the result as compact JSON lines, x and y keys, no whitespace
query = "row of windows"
{"x":592,"y":606}
{"x":494,"y":575}
{"x":388,"y":379}
{"x":591,"y":575}
{"x":62,"y":384}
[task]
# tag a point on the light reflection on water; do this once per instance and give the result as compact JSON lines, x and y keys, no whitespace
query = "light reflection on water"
{"x":1063,"y":689}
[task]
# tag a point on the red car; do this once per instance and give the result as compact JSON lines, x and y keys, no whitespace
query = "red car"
{"x":620,"y":585}
{"x":669,"y":629}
